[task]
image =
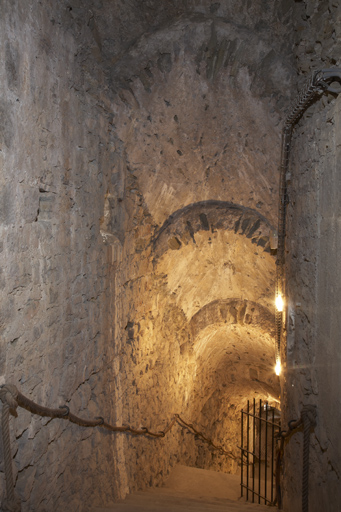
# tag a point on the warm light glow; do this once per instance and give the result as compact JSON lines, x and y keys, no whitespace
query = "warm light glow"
{"x":279,"y":303}
{"x":278,"y":367}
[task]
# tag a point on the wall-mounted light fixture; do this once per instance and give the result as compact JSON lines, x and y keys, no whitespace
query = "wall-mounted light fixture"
{"x":279,"y":303}
{"x":274,"y":240}
{"x":320,"y":82}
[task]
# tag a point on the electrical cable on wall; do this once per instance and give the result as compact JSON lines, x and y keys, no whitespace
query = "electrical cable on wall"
{"x":320,"y":82}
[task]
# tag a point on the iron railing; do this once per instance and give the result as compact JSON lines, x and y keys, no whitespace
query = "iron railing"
{"x":259,"y":430}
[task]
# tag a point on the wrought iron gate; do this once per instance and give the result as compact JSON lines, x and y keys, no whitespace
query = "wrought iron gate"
{"x":259,"y":429}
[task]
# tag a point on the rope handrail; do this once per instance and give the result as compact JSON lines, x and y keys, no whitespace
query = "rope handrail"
{"x":63,"y":412}
{"x":12,"y":398}
{"x":308,"y":421}
{"x":206,"y":439}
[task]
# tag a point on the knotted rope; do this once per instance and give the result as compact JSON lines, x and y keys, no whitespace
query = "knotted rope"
{"x":8,"y":397}
{"x":12,"y":398}
{"x":308,"y":416}
{"x":308,"y":420}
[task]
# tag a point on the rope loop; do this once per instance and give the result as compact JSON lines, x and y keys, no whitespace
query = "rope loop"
{"x":101,"y":420}
{"x":291,"y":424}
{"x":12,"y":398}
{"x":309,"y":413}
{"x":67,"y":410}
{"x":9,"y":395}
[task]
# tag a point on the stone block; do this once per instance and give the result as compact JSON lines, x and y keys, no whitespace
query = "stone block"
{"x":25,"y":482}
{"x":28,"y":198}
{"x":8,"y":203}
{"x":164,"y":63}
{"x":6,"y":125}
{"x":12,"y":65}
{"x":46,"y":207}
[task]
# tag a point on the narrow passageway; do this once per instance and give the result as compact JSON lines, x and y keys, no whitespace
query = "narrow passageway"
{"x":189,"y":489}
{"x":140,"y":146}
{"x":196,"y":276}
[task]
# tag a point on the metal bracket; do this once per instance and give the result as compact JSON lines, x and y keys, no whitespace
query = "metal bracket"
{"x":327,"y":76}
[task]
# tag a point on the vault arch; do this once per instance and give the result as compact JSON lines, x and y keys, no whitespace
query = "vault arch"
{"x":181,"y":226}
{"x":233,"y":312}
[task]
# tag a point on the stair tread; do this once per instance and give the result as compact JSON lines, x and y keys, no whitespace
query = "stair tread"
{"x":188,"y":490}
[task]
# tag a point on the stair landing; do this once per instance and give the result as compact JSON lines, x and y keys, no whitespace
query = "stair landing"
{"x":189,"y":490}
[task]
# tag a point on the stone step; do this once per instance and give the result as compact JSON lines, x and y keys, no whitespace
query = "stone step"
{"x":189,"y":490}
{"x":184,"y":505}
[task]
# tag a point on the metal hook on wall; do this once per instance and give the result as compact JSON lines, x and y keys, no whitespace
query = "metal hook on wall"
{"x":328,"y":77}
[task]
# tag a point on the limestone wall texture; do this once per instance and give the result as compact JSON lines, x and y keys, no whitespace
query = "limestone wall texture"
{"x":197,"y":112}
{"x":140,"y":147}
{"x":312,"y":373}
{"x":56,"y":166}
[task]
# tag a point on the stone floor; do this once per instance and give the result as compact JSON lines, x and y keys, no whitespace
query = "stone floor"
{"x":189,"y":489}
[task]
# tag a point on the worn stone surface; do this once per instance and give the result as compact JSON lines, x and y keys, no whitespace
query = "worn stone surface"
{"x":191,"y":160}
{"x":312,"y":355}
{"x":116,"y":24}
{"x":181,"y":226}
{"x":317,"y":35}
{"x":189,"y":488}
{"x":139,"y":152}
{"x":54,"y":320}
{"x":312,"y":375}
{"x":183,"y":148}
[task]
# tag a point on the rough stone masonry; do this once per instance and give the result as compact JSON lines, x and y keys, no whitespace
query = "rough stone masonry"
{"x":139,"y":147}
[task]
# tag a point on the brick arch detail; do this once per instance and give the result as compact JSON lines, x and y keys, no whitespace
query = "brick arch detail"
{"x":181,"y":226}
{"x":232,"y":312}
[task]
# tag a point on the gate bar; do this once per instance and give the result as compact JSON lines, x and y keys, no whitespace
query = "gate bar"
{"x":266,"y":449}
{"x":248,"y":450}
{"x":247,"y":453}
{"x":242,"y":458}
{"x":254,"y":444}
{"x":272,"y":455}
{"x":263,"y":497}
{"x":262,"y":419}
{"x":260,"y":450}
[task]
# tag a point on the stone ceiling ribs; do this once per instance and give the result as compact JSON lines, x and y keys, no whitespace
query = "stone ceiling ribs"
{"x":180,"y":227}
{"x":233,"y":311}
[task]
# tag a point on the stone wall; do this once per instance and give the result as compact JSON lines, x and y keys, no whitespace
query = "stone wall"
{"x":312,"y":373}
{"x":316,"y":34}
{"x":56,"y":166}
{"x":140,"y":143}
{"x":197,"y":113}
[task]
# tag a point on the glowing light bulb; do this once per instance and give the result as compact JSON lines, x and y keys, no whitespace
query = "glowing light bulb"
{"x":279,"y":303}
{"x":278,"y":367}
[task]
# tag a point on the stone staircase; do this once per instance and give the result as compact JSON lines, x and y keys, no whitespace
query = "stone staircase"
{"x":188,"y":490}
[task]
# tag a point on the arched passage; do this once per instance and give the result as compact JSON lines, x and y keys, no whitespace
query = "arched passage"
{"x":233,"y":348}
{"x":212,"y":215}
{"x":233,"y":311}
{"x":233,"y":363}
{"x":219,"y":264}
{"x":198,"y":137}
{"x":142,"y":121}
